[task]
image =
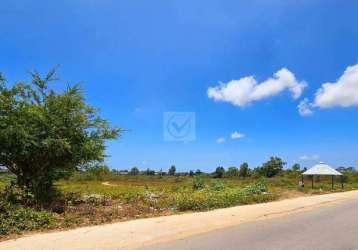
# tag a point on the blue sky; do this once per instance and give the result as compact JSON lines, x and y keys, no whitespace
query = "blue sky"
{"x":139,"y":59}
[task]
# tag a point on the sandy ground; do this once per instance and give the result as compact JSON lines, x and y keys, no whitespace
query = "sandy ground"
{"x":138,"y":233}
{"x":109,"y":184}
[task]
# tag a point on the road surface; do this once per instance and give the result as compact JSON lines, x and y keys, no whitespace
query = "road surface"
{"x":332,"y":227}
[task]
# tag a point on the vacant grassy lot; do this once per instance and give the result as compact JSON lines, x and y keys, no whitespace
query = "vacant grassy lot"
{"x":85,"y":199}
{"x":119,"y":186}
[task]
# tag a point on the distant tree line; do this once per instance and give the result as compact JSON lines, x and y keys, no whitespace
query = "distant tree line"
{"x":272,"y":167}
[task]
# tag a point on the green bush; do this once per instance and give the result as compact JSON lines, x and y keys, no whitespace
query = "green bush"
{"x":218,"y":185}
{"x":71,"y":220}
{"x":73,"y":197}
{"x":256,"y":188}
{"x":198,"y":183}
{"x":132,"y":196}
{"x":16,"y":195}
{"x":205,"y":199}
{"x":6,"y":179}
{"x":15,"y":219}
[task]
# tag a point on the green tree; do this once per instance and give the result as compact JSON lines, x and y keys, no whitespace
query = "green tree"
{"x":272,"y":167}
{"x":149,"y":172}
{"x":346,"y":169}
{"x":46,"y":134}
{"x":134,"y":171}
{"x":172,"y":170}
{"x":219,"y":172}
{"x":232,"y":171}
{"x":244,"y":170}
{"x":296,"y":167}
{"x":161,"y":173}
{"x":98,"y":170}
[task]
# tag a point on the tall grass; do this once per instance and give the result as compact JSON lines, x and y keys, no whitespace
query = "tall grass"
{"x":5,"y":179}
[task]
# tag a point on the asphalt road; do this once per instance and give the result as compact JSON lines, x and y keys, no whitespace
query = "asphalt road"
{"x":331,"y":227}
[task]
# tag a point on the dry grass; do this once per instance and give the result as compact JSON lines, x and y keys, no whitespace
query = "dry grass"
{"x":88,"y":200}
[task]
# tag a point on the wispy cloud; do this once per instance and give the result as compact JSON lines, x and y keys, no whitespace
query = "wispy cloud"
{"x":305,"y":108}
{"x":236,"y":135}
{"x":309,"y":157}
{"x":220,"y":140}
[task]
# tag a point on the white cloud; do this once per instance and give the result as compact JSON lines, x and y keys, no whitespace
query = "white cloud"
{"x":309,"y":157}
{"x":237,"y":135}
{"x":305,"y":108}
{"x":220,"y":140}
{"x":342,"y":93}
{"x":247,"y":90}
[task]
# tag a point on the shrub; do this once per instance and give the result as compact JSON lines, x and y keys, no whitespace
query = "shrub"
{"x":205,"y":199}
{"x":131,"y":196}
{"x":256,"y":187}
{"x":15,"y":219}
{"x":71,"y":219}
{"x":218,"y":185}
{"x":6,"y":179}
{"x":73,"y":198}
{"x":16,"y":195}
{"x":198,"y":183}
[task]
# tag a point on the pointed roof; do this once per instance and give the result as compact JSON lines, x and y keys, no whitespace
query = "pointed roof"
{"x":321,"y":169}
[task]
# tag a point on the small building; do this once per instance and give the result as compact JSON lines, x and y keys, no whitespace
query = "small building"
{"x":322,"y":169}
{"x":123,"y":172}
